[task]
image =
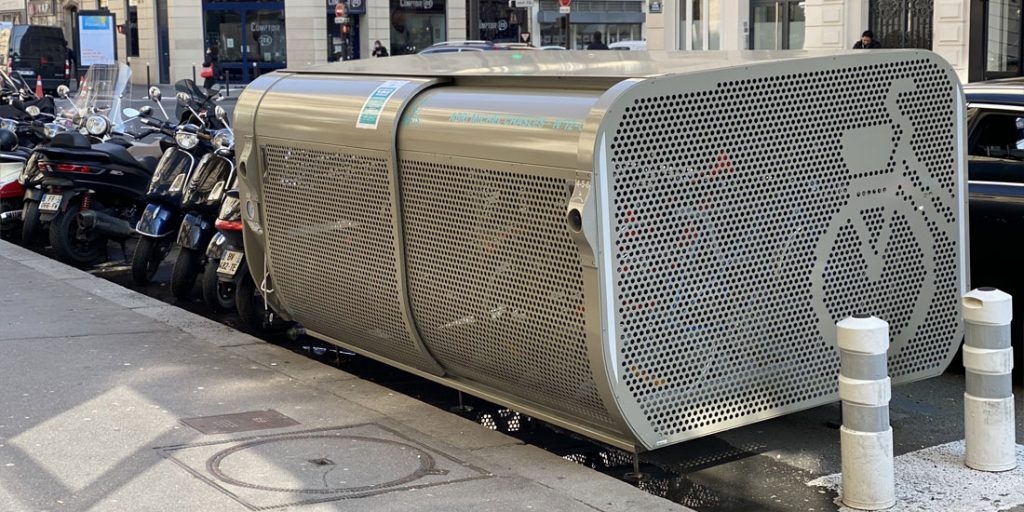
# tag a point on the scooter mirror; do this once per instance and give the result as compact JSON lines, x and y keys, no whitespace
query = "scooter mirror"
{"x":63,"y":91}
{"x":130,"y":113}
{"x":32,"y":110}
{"x":222,"y":114}
{"x":146,"y":111}
{"x":184,"y":99}
{"x":155,"y":94}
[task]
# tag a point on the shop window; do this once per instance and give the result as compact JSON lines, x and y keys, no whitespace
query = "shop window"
{"x":417,"y":24}
{"x":1003,"y":37}
{"x":700,"y":23}
{"x":777,"y":25}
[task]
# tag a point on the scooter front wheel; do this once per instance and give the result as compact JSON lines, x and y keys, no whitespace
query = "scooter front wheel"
{"x":149,"y":253}
{"x":69,"y":247}
{"x":217,"y":294}
{"x":186,"y":270}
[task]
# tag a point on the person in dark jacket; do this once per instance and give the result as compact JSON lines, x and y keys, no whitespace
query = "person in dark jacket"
{"x":210,"y":60}
{"x":867,"y":41}
{"x":379,"y":50}
{"x":596,"y":43}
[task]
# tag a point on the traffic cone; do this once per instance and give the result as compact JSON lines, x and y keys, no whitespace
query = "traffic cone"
{"x":39,"y":86}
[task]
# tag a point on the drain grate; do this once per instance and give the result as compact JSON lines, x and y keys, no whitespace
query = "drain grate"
{"x":274,"y":471}
{"x":240,"y":422}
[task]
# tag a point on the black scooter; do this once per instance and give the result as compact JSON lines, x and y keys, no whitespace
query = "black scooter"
{"x":92,"y":192}
{"x":163,"y":213}
{"x":201,"y":202}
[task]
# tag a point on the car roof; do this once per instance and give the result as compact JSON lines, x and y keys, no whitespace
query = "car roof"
{"x":1005,"y":91}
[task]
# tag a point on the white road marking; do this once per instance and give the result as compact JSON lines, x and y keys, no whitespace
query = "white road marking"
{"x":936,"y":479}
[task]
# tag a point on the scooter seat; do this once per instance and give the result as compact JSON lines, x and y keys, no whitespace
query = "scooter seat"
{"x":119,"y":155}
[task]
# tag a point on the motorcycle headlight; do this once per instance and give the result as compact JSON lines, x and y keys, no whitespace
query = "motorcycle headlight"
{"x":186,"y":140}
{"x":50,"y":130}
{"x":97,"y":125}
{"x":9,"y":124}
{"x":223,"y":139}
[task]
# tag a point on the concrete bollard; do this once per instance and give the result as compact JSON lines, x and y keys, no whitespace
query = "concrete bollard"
{"x":988,"y":363}
{"x":865,"y":437}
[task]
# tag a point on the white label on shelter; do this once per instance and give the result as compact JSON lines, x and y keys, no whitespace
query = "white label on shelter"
{"x":369,"y":115}
{"x":229,"y":42}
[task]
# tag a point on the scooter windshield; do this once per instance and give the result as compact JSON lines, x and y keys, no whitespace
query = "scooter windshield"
{"x":102,"y":91}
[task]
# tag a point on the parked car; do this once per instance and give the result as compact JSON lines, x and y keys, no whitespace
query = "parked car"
{"x":473,"y":46}
{"x":628,"y":45}
{"x":995,"y":158}
{"x":36,"y":51}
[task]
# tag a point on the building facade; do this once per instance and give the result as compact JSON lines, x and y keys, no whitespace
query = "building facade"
{"x":982,"y":39}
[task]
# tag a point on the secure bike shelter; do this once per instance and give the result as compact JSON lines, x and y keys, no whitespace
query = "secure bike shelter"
{"x":641,"y":247}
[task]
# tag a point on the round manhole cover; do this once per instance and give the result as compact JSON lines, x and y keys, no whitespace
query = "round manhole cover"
{"x":320,"y":464}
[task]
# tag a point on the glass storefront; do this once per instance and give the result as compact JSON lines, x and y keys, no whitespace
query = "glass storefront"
{"x":615,"y":20}
{"x":610,"y":33}
{"x":417,"y":24}
{"x":700,"y":22}
{"x":777,"y":25}
{"x":498,"y":22}
{"x":342,"y":46}
{"x":249,"y":36}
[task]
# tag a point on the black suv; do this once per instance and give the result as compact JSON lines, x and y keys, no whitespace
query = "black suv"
{"x":995,"y":168}
{"x":32,"y":51}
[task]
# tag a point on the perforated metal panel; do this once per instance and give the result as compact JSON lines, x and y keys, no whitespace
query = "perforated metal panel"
{"x":332,"y":247}
{"x":751,"y":214}
{"x":496,"y":282}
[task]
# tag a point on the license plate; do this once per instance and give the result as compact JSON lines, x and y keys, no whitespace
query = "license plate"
{"x":50,"y":203}
{"x":229,"y":263}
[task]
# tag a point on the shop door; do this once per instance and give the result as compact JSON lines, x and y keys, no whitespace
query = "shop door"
{"x":250,"y":37}
{"x":902,"y":23}
{"x":777,"y":25}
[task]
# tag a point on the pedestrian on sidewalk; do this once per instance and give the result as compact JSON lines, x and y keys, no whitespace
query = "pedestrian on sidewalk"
{"x":379,"y":50}
{"x":867,"y":41}
{"x":596,"y":43}
{"x":210,"y":71}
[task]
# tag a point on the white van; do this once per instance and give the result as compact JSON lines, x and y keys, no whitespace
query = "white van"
{"x":628,"y":45}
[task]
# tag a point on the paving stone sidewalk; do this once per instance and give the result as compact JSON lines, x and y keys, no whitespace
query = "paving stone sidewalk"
{"x":97,"y":381}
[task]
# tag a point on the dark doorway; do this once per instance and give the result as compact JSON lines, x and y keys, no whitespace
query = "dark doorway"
{"x":164,"y":42}
{"x":902,"y":23}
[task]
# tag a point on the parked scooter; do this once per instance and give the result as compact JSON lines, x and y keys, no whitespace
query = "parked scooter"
{"x":12,"y":162}
{"x":74,"y":130}
{"x":225,"y":260}
{"x":22,"y":127}
{"x":163,"y":213}
{"x":201,"y":202}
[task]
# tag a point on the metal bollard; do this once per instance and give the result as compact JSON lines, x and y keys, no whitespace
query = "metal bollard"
{"x":149,"y":83}
{"x":988,"y":363}
{"x":193,"y":72}
{"x":865,"y":438}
